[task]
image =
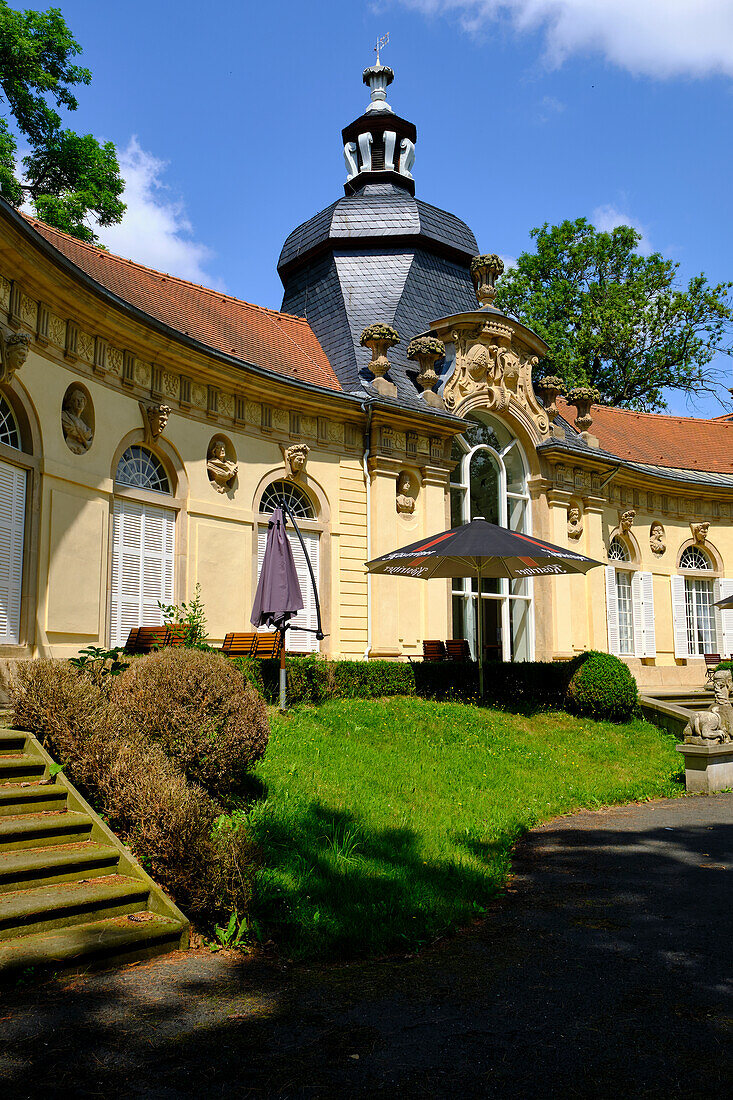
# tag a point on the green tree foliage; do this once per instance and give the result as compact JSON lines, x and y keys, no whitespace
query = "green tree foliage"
{"x":617,"y":320}
{"x":66,"y":178}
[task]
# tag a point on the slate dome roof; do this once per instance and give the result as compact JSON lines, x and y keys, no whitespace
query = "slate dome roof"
{"x":379,"y":212}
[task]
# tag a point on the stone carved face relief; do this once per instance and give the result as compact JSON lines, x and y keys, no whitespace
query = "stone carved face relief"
{"x":78,"y":433}
{"x":627,"y":520}
{"x":700,"y":532}
{"x":295,"y":458}
{"x":575,"y":522}
{"x":722,"y":683}
{"x":405,"y":502}
{"x":656,"y":539}
{"x":221,"y":470}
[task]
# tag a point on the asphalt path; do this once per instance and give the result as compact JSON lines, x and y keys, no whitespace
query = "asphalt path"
{"x":605,"y":970}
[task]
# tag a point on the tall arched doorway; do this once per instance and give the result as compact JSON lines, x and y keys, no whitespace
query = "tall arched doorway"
{"x":12,"y":528}
{"x":490,"y":480}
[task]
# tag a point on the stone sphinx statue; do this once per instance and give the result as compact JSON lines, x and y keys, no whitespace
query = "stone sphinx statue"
{"x":77,"y":433}
{"x":221,"y":470}
{"x":714,"y":726}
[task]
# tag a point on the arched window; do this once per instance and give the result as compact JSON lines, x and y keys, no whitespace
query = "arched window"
{"x":139,"y":468}
{"x":490,"y":480}
{"x":299,"y":502}
{"x":618,"y":551}
{"x":699,"y":603}
{"x":9,"y":433}
{"x":301,"y":505}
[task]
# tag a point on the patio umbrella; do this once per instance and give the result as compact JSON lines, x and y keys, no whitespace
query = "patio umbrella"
{"x":278,"y":596}
{"x":725,"y":604}
{"x":481,"y":549}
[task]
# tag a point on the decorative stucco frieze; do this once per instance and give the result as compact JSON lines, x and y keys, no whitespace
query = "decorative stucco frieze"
{"x":57,"y":330}
{"x":142,"y":373}
{"x":170,"y":384}
{"x":85,"y":346}
{"x":199,"y":395}
{"x":114,"y":361}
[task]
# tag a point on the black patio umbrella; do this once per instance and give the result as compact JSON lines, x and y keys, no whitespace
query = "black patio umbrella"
{"x":481,"y":549}
{"x":278,"y":596}
{"x":725,"y":604}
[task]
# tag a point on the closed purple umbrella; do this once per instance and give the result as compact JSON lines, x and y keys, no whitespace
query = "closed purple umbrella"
{"x":278,"y":596}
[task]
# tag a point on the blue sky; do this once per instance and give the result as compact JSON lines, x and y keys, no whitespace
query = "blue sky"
{"x":229,"y":117}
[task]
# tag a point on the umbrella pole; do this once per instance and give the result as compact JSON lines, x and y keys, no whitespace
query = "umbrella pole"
{"x":283,"y":674}
{"x":480,"y":638}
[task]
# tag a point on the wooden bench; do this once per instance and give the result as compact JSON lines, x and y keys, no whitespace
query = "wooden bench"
{"x":267,"y":645}
{"x":433,"y":650}
{"x":457,"y":649}
{"x":712,"y":660}
{"x":144,"y":639}
{"x":263,"y":646}
{"x":238,"y":645}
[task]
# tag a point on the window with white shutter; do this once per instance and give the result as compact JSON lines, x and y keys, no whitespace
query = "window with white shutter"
{"x":298,"y":641}
{"x":612,"y":611}
{"x":12,"y":527}
{"x":679,"y":617}
{"x":642,"y":585}
{"x":143,"y":539}
{"x":724,"y":619}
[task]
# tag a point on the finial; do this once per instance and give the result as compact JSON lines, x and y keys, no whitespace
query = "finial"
{"x":378,"y":78}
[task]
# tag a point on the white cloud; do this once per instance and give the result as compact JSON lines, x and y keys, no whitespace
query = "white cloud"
{"x":606,"y":218}
{"x":660,"y":38}
{"x":155,"y":230}
{"x":509,"y":262}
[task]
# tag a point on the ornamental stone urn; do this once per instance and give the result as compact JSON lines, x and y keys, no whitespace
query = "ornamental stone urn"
{"x":582,"y":397}
{"x":425,"y":351}
{"x":550,"y":387}
{"x":485,"y":270}
{"x":379,"y":339}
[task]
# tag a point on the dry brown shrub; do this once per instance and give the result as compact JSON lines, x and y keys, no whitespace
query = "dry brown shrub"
{"x":168,"y":822}
{"x":196,"y":705}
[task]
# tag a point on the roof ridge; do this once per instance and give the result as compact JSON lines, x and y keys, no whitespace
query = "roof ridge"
{"x":106,"y":254}
{"x":658,"y":415}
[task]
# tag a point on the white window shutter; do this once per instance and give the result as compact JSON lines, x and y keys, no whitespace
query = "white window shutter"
{"x":637,"y":603}
{"x":723,"y":619}
{"x":298,"y":641}
{"x":12,"y":528}
{"x":143,"y":542}
{"x":647,"y":598}
{"x":614,"y":645}
{"x":679,"y":617}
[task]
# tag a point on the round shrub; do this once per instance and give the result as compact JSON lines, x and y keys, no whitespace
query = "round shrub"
{"x":602,"y":687}
{"x":196,"y":705}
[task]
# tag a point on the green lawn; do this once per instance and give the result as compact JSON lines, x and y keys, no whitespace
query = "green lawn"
{"x":385,"y":822}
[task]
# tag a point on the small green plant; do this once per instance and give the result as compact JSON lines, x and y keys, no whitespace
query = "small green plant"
{"x":235,"y":934}
{"x":54,"y":769}
{"x":191,"y":616}
{"x":99,"y":662}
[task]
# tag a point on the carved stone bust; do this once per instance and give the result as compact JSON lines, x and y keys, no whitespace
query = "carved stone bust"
{"x":700,"y":532}
{"x":155,"y":418}
{"x":77,"y":432}
{"x":714,"y":726}
{"x":221,"y":470}
{"x":627,"y":521}
{"x":295,"y":458}
{"x":405,"y":502}
{"x":575,"y":522}
{"x":14,"y":347}
{"x":656,"y":539}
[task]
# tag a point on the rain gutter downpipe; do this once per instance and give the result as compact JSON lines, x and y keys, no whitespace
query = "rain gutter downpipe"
{"x":368,"y":410}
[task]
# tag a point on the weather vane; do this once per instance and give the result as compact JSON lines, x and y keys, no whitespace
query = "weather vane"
{"x":381,"y":43}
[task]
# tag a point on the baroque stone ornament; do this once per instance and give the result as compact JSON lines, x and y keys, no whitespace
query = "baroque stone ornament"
{"x":575,"y":522}
{"x":155,"y":418}
{"x":582,"y":397}
{"x":714,"y":726}
{"x":425,"y":351}
{"x":295,"y":459}
{"x":405,"y":501}
{"x":656,"y":539}
{"x":485,"y":270}
{"x":700,"y":532}
{"x":626,"y":521}
{"x":14,"y":348}
{"x":550,"y":387}
{"x":78,"y":432}
{"x":222,"y":471}
{"x":379,"y":339}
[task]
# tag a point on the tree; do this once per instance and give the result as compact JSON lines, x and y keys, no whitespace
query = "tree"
{"x":66,"y":178}
{"x":616,"y":320}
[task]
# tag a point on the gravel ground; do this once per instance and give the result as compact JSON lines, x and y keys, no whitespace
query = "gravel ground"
{"x":606,"y":970}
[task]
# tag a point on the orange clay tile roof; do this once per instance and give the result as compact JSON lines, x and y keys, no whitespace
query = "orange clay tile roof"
{"x":276,"y":341}
{"x":681,"y":442}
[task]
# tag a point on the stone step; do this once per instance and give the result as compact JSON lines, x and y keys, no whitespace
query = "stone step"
{"x":114,"y":940}
{"x":13,"y":741}
{"x":17,"y":766}
{"x":48,"y":827}
{"x":28,"y":867}
{"x":15,"y":798}
{"x":43,"y":908}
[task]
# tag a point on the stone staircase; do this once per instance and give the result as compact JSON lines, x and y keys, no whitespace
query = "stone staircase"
{"x":70,"y":893}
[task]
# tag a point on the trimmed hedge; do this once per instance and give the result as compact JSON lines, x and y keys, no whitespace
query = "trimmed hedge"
{"x":605,"y":690}
{"x":602,"y":687}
